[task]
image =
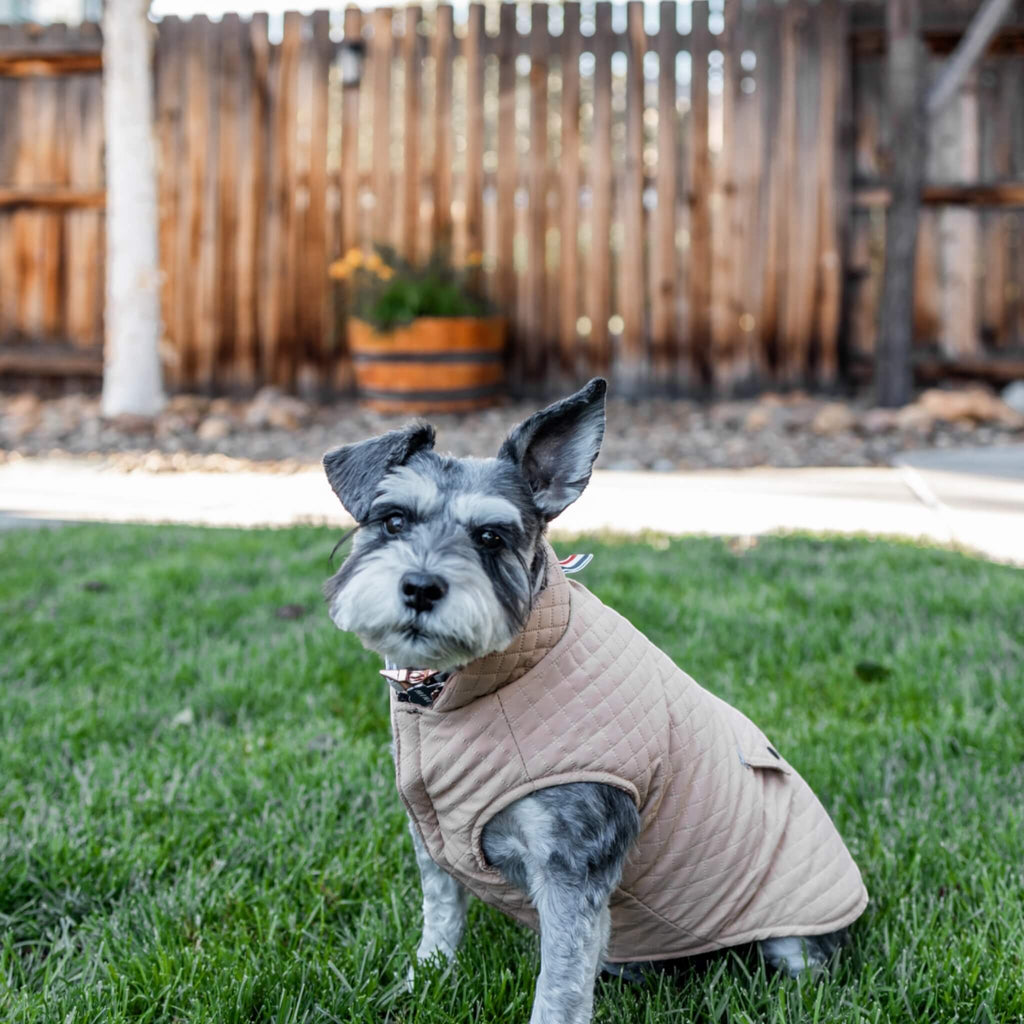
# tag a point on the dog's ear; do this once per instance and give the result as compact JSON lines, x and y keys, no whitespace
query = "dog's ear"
{"x":355,"y":470}
{"x":555,"y":448}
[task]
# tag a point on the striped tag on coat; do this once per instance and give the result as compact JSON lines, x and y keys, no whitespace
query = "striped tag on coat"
{"x":574,"y":563}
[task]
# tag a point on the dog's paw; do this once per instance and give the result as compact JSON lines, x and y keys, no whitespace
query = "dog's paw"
{"x":635,"y":973}
{"x":794,"y":956}
{"x":438,"y":953}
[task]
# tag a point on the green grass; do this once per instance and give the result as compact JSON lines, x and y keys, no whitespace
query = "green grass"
{"x":198,"y":820}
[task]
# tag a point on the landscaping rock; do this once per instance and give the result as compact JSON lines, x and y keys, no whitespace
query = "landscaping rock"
{"x":22,"y":416}
{"x":271,"y":409}
{"x":833,"y":418}
{"x":971,"y":405}
{"x":759,"y":418}
{"x":1013,"y":396}
{"x":191,"y":408}
{"x":914,"y":419}
{"x":171,"y":424}
{"x":214,"y":428}
{"x":878,"y":421}
{"x":131,"y":423}
{"x":226,"y":408}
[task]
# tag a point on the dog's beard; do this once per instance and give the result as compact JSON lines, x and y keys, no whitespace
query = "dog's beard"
{"x":467,"y":623}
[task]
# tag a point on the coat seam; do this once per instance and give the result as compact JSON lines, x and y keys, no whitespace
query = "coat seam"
{"x":512,"y":734}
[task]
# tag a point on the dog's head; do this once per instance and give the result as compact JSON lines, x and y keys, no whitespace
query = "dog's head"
{"x":447,"y":554}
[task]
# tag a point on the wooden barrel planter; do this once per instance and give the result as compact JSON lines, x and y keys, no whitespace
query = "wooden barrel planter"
{"x":434,"y":364}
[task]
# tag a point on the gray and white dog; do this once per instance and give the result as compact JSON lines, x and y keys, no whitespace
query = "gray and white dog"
{"x":446,"y":562}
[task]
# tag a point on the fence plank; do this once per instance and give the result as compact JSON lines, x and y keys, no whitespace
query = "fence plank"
{"x":261,"y":145}
{"x":349,"y":232}
{"x":247,"y":157}
{"x":771,"y":243}
{"x":799,"y":154}
{"x":505,"y":275}
{"x":317,"y":247}
{"x":954,"y":156}
{"x":724,"y":349}
{"x":24,"y":223}
{"x":749,"y":158}
{"x":82,"y":293}
{"x":412,"y":128}
{"x":631,"y":371}
{"x":569,"y":165}
{"x":192,"y":143}
{"x":833,"y":192}
{"x":441,"y":51}
{"x":169,"y":54}
{"x":53,"y":169}
{"x":284,"y":171}
{"x":699,"y":257}
{"x":380,"y":82}
{"x":206,"y":269}
{"x":473,"y":50}
{"x":534,"y":341}
{"x":599,"y":295}
{"x":229,"y":123}
{"x":664,"y":264}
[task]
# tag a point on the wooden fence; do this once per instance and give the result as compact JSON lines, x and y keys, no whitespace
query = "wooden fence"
{"x":689,"y":199}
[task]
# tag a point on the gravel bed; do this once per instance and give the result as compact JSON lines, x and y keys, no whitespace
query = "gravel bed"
{"x":277,"y":432}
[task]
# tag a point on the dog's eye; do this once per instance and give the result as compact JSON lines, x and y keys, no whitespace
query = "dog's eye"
{"x":394,"y":523}
{"x":489,"y":540}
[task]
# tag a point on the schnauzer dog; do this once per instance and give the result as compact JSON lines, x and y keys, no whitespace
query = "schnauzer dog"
{"x":552,"y":760}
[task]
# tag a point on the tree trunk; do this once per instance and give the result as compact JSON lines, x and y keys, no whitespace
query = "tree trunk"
{"x":904,"y":66}
{"x":131,"y":379}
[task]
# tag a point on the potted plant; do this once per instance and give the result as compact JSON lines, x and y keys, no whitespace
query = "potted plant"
{"x":422,"y":338}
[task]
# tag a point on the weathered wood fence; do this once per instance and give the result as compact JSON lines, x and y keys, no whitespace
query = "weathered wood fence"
{"x":688,"y":198}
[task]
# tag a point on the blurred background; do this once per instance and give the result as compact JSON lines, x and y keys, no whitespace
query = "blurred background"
{"x":789,"y":233}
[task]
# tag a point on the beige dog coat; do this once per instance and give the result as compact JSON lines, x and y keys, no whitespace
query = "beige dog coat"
{"x":734,"y":846}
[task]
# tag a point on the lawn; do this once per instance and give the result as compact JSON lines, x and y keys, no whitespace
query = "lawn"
{"x":198,"y":819}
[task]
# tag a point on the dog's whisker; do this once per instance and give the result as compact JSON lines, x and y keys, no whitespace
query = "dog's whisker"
{"x":345,"y":537}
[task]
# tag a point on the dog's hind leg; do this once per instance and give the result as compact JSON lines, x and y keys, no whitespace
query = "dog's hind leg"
{"x":795,"y":954}
{"x":444,"y":906}
{"x":565,"y":847}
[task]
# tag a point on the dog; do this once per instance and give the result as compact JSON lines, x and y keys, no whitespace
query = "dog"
{"x":552,"y":760}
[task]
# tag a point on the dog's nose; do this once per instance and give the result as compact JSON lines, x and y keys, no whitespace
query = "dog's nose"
{"x":422,"y":590}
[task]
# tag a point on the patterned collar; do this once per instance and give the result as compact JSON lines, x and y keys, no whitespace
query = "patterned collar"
{"x":418,"y":686}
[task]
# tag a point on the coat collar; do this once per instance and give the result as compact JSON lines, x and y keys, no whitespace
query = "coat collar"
{"x":545,"y":626}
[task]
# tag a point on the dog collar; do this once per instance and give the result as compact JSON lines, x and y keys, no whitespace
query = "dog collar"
{"x":418,"y":686}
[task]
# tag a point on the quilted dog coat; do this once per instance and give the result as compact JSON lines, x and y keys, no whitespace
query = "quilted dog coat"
{"x":733,"y":847}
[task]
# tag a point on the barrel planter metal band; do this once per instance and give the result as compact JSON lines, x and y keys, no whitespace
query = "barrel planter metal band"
{"x":434,"y":364}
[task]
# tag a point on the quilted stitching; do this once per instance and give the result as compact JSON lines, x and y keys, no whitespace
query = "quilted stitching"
{"x":729,"y":852}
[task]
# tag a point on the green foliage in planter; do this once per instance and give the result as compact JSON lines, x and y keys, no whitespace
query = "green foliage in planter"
{"x":388,"y":292}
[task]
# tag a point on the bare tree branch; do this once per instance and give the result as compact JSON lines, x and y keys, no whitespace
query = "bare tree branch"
{"x":983,"y":27}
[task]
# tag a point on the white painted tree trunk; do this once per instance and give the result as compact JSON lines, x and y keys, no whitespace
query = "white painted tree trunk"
{"x":131,"y":378}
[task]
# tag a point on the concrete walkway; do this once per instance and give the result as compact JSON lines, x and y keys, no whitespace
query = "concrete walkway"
{"x":969,"y":498}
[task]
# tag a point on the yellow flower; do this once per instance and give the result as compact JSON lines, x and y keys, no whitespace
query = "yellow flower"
{"x":385,"y":273}
{"x":339,"y":270}
{"x":374,"y":262}
{"x":354,"y":257}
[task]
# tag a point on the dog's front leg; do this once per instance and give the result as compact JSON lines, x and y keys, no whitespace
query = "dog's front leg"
{"x":444,"y":906}
{"x":565,"y":846}
{"x":573,"y":935}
